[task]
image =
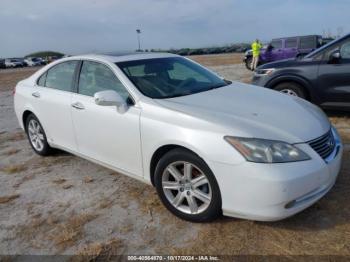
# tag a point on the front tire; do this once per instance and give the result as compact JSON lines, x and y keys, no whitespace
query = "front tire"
{"x":291,"y":88}
{"x":36,"y":136}
{"x":248,"y":63}
{"x":187,"y":187}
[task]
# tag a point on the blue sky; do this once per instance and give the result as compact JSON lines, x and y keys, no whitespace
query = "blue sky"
{"x":81,"y":26}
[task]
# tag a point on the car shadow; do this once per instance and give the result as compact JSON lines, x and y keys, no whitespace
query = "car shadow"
{"x":337,"y":113}
{"x":59,"y":152}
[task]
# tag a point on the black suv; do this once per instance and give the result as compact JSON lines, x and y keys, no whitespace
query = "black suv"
{"x":322,"y":77}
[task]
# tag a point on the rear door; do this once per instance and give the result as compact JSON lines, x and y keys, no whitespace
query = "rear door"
{"x":52,"y":102}
{"x":102,"y":133}
{"x":290,"y":47}
{"x":334,"y":78}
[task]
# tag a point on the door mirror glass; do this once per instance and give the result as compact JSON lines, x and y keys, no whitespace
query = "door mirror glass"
{"x":111,"y":98}
{"x":334,"y":57}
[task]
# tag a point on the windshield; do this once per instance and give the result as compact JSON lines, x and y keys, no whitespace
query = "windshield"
{"x":169,"y":77}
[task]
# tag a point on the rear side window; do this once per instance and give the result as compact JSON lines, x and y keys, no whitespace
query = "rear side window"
{"x":96,"y":77}
{"x":276,"y":43}
{"x":61,"y":76}
{"x":307,"y":42}
{"x":42,"y":80}
{"x":291,"y":43}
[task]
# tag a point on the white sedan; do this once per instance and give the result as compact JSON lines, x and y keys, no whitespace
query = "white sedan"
{"x":208,"y":145}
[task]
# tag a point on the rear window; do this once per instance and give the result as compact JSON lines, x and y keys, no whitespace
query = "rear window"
{"x":291,"y":42}
{"x":307,"y":42}
{"x":61,"y":76}
{"x":42,"y":80}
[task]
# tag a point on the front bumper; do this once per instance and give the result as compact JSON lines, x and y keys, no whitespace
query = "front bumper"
{"x":270,"y":192}
{"x":260,"y":80}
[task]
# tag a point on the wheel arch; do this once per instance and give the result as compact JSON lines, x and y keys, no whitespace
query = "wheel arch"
{"x":304,"y":83}
{"x":25,"y":115}
{"x":161,"y":151}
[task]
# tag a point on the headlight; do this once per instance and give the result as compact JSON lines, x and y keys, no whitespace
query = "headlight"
{"x":267,"y":71}
{"x":266,"y":151}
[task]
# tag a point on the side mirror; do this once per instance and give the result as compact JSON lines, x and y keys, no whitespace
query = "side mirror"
{"x":111,"y":98}
{"x":334,"y":57}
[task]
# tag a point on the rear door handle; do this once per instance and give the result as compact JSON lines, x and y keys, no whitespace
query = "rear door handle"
{"x":36,"y":94}
{"x":78,"y":105}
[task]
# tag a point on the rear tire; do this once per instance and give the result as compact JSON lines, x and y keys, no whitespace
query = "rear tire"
{"x":187,"y":187}
{"x":291,"y":88}
{"x":36,"y":136}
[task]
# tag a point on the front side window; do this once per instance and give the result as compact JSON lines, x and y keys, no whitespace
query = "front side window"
{"x":169,"y":77}
{"x":342,"y":46}
{"x":61,"y":76}
{"x":96,"y":77}
{"x":42,"y":80}
{"x":345,"y":50}
{"x":276,"y":43}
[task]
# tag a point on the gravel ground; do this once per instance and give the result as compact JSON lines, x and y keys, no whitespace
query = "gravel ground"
{"x":66,"y":205}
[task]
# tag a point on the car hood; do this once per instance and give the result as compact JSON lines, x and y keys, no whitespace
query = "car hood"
{"x":251,"y":111}
{"x":291,"y":62}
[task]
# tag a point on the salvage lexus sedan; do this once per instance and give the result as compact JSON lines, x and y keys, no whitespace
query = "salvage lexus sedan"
{"x":208,"y":145}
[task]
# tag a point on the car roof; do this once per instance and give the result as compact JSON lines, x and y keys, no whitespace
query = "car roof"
{"x":299,"y":36}
{"x":115,"y":58}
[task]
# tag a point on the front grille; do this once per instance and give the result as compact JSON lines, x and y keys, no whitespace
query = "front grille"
{"x":323,"y":145}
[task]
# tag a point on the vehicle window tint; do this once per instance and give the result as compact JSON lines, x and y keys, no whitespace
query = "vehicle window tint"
{"x":61,"y":76}
{"x":291,"y":42}
{"x":276,"y":43}
{"x":345,"y":50}
{"x":137,"y":70}
{"x":182,"y":72}
{"x":307,"y":42}
{"x":169,"y":77}
{"x":96,"y":77}
{"x":329,"y":51}
{"x":42,"y":80}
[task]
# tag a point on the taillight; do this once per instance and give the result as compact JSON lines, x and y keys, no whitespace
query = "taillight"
{"x":14,"y":91}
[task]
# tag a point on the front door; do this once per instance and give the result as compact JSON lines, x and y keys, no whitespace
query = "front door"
{"x":334,"y":78}
{"x":274,"y":52}
{"x":102,"y":133}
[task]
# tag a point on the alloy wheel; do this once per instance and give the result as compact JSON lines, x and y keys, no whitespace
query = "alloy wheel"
{"x":186,"y":187}
{"x":289,"y":92}
{"x":36,"y":135}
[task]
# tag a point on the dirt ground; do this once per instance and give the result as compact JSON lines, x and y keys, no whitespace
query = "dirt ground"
{"x":66,"y":205}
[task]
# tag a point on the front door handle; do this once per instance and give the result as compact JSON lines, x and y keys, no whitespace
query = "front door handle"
{"x":36,"y":94}
{"x":78,"y":105}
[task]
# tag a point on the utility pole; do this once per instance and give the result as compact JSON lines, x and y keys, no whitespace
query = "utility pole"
{"x":138,"y":32}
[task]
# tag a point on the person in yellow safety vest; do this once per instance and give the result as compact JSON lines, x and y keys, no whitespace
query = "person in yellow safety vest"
{"x":256,"y":46}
